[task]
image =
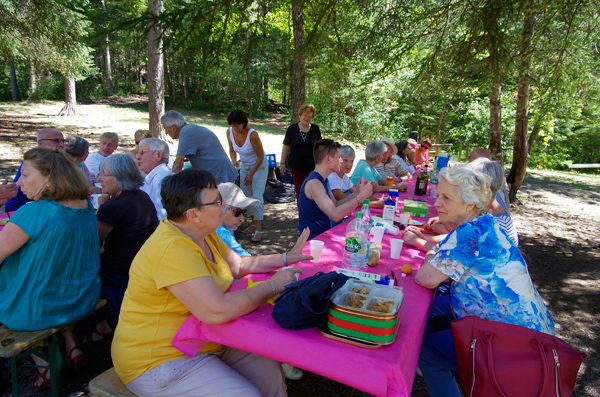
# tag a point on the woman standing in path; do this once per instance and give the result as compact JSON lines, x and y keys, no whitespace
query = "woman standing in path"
{"x":252,"y":165}
{"x":298,"y":144}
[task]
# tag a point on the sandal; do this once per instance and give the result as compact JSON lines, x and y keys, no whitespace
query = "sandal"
{"x":250,"y":229}
{"x":96,"y":336}
{"x":45,"y":380}
{"x":257,"y":236}
{"x":78,"y":361}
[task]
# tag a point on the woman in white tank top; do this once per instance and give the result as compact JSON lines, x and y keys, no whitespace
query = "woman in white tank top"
{"x":253,"y":166}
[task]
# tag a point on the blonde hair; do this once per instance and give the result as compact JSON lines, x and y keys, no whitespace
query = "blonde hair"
{"x":65,"y":181}
{"x":473,"y":186}
{"x":309,"y":107}
{"x":143,"y":134}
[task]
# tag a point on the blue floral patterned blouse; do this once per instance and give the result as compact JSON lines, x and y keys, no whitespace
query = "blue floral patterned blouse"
{"x":490,"y":277}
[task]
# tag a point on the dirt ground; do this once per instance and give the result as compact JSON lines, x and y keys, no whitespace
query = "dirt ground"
{"x":557,"y":223}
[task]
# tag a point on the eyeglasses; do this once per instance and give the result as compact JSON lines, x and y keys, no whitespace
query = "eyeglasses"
{"x":55,"y":140}
{"x":237,"y":212}
{"x":333,"y":143}
{"x":103,"y":175}
{"x":219,"y":201}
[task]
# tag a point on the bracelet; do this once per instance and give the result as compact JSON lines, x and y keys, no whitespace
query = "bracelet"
{"x":285,"y":259}
{"x":359,"y":202}
{"x":273,"y":287}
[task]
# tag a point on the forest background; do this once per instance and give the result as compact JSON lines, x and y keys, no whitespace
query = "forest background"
{"x":518,"y":77}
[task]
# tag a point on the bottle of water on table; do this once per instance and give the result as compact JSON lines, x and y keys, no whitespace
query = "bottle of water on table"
{"x":356,"y":247}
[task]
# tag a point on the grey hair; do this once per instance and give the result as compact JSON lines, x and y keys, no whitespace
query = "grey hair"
{"x":110,"y":135}
{"x":347,"y":151}
{"x":125,"y":171}
{"x":491,"y":169}
{"x":157,"y":145}
{"x":173,"y":118}
{"x":473,"y":186}
{"x":76,"y":146}
{"x":374,"y":149}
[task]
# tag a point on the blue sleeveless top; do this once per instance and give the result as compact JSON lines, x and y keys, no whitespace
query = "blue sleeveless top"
{"x":309,"y":212}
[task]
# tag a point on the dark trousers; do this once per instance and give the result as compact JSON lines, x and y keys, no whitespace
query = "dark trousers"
{"x":299,"y":177}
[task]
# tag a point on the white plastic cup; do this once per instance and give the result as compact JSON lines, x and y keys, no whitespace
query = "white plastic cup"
{"x":396,"y":247}
{"x":94,"y":199}
{"x":378,"y":233}
{"x":97,"y":184}
{"x":404,"y":219}
{"x":316,"y":248}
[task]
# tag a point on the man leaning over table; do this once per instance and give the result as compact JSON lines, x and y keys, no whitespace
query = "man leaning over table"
{"x":317,"y":208}
{"x":200,"y":145}
{"x":366,"y":169}
{"x":49,"y":138}
{"x":152,"y":158}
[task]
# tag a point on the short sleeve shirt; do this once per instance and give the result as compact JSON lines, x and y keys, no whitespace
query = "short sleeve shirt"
{"x":490,"y":277}
{"x":335,"y":182}
{"x":301,"y":147}
{"x":363,"y":169}
{"x":133,"y":218}
{"x":52,"y":279}
{"x":393,"y":168}
{"x":205,"y":152}
{"x":150,"y":314}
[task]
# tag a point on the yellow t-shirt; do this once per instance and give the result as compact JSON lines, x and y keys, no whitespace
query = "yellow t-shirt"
{"x":150,"y":314}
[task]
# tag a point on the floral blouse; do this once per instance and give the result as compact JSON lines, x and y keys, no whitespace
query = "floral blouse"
{"x":489,"y":276}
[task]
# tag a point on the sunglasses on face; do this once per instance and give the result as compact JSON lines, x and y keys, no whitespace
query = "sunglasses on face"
{"x":237,"y":212}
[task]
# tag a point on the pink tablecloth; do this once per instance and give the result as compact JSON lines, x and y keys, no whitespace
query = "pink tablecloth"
{"x":4,"y":216}
{"x":388,"y":371}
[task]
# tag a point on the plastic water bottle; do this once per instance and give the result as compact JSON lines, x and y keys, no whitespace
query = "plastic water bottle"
{"x":356,"y":248}
{"x":433,"y":183}
{"x":367,"y":217}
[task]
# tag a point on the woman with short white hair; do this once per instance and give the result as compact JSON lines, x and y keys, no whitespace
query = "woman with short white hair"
{"x":489,"y":277}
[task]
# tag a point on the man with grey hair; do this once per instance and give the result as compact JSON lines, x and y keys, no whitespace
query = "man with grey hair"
{"x":366,"y":169}
{"x":108,"y":144}
{"x":49,"y":138}
{"x":152,"y":158}
{"x":200,"y":145}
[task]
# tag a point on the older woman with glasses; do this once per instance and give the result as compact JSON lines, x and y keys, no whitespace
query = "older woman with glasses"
{"x":185,"y":268}
{"x":126,"y":218}
{"x":489,"y":276}
{"x":49,"y":277}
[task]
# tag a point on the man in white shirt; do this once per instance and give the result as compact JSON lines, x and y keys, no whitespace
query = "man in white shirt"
{"x":108,"y":144}
{"x":152,"y":158}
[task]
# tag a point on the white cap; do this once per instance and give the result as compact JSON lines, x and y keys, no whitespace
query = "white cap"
{"x":234,"y":196}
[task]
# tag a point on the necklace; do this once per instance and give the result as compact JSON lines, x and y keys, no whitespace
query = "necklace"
{"x":302,"y":133}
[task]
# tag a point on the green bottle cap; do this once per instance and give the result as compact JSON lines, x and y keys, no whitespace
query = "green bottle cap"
{"x":359,"y":214}
{"x":366,"y":201}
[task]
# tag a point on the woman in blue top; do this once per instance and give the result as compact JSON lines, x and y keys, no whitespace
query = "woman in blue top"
{"x":489,"y":276}
{"x":50,"y":250}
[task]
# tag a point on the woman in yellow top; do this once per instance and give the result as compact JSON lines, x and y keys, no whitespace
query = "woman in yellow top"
{"x":185,"y":268}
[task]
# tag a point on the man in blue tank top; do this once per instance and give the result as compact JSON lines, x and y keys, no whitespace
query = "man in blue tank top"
{"x":316,"y":206}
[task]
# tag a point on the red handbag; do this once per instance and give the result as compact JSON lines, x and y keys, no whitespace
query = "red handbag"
{"x":499,"y":359}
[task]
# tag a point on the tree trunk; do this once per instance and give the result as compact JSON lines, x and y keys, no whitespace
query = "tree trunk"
{"x":107,"y":70}
{"x":70,"y":98}
{"x":532,"y":136}
{"x":32,"y":80}
{"x":13,"y":85}
{"x":155,"y":83}
{"x":496,"y":117}
{"x":298,"y":94}
{"x":520,"y":151}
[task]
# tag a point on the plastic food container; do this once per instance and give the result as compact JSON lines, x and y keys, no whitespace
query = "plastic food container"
{"x":366,"y":312}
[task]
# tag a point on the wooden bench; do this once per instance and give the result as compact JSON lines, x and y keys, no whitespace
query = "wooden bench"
{"x":586,"y":166}
{"x":108,"y":384}
{"x":18,"y":344}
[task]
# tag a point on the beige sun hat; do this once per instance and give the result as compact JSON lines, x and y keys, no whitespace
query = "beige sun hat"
{"x":391,"y":144}
{"x":234,"y":197}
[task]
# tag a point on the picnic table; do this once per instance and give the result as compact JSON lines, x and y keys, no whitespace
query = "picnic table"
{"x":387,"y":371}
{"x":5,"y":216}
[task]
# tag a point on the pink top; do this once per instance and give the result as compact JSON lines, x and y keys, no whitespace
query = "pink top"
{"x":387,"y":371}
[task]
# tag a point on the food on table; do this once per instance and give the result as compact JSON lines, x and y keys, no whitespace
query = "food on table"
{"x":3,"y":221}
{"x":374,"y":255}
{"x":363,"y":290}
{"x":407,"y":269}
{"x":356,"y":301}
{"x":382,"y":305}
